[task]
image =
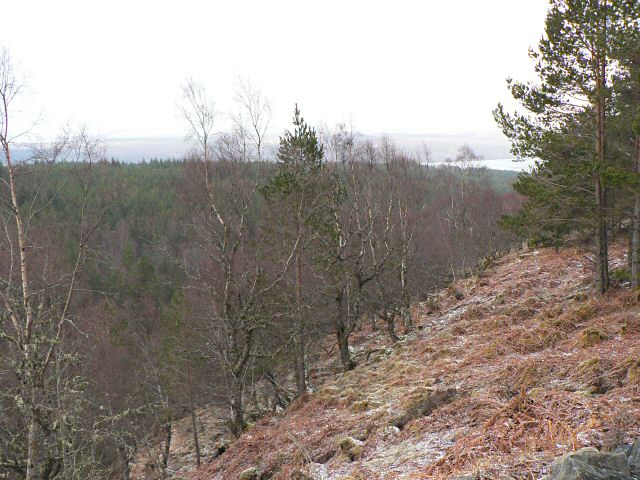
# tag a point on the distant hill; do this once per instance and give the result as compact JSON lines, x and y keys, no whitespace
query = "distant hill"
{"x":492,"y":147}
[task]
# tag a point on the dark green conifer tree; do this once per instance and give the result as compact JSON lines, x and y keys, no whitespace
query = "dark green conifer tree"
{"x":297,"y":194}
{"x":575,"y":61}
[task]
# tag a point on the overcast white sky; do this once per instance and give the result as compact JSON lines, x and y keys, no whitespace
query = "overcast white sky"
{"x":419,"y":66}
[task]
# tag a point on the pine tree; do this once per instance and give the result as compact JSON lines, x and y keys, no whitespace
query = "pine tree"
{"x":297,"y":194}
{"x":574,"y":61}
{"x":627,"y":126}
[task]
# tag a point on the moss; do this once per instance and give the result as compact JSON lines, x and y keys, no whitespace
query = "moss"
{"x":351,"y":448}
{"x":633,"y":371}
{"x":553,"y":311}
{"x":580,"y":297}
{"x":590,"y":373}
{"x":589,"y":365}
{"x":349,"y":395}
{"x":630,"y":325}
{"x":591,"y":337}
{"x":360,"y":406}
{"x":631,"y":299}
{"x":432,"y":304}
{"x":499,"y":300}
{"x":584,"y":312}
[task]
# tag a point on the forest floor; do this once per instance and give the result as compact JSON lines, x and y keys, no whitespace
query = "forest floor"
{"x":527,"y":365}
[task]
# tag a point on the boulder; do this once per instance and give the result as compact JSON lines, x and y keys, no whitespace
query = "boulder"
{"x":633,"y":457}
{"x":590,"y":464}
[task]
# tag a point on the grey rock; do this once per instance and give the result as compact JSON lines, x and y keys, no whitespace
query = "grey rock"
{"x":634,"y":457}
{"x":590,"y":464}
{"x":626,"y":449}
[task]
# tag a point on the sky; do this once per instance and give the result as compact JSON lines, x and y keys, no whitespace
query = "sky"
{"x":397,"y":67}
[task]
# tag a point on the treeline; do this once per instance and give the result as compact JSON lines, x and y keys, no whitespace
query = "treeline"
{"x":133,"y":294}
{"x":581,"y":120}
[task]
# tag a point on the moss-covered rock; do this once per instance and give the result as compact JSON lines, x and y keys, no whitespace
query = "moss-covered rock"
{"x":351,"y":448}
{"x":252,"y":473}
{"x":360,"y":406}
{"x":591,"y":337}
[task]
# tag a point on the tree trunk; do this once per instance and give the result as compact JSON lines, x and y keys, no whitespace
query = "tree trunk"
{"x":194,"y":422}
{"x":237,"y":407}
{"x":31,"y":449}
{"x":126,"y":461}
{"x":32,"y":439}
{"x":407,"y":318}
{"x":237,"y":376}
{"x":126,"y":474}
{"x":405,"y":310}
{"x":26,"y":330}
{"x":279,"y":393}
{"x":51,"y":468}
{"x":342,"y":333}
{"x":300,"y":343}
{"x":391,"y":328}
{"x":301,"y":370}
{"x":343,"y":344}
{"x":168,"y":428}
{"x":389,"y":319}
{"x":635,"y":236}
{"x":601,"y":247}
{"x":601,"y":253}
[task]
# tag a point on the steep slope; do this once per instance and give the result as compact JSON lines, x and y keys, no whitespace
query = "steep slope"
{"x":214,"y":435}
{"x":527,"y":365}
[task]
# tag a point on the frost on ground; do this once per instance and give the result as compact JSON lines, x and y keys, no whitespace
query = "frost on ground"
{"x":525,"y":365}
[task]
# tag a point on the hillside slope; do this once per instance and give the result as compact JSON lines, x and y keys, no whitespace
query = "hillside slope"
{"x":527,"y":365}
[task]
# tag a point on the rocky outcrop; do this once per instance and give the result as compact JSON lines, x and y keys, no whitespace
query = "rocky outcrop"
{"x":424,"y":405}
{"x":590,"y":464}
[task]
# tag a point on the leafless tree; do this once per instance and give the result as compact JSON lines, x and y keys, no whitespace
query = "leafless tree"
{"x":232,"y":271}
{"x":254,"y":115}
{"x":457,"y":215}
{"x":36,"y":295}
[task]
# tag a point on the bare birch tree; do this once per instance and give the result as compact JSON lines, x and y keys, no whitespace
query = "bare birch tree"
{"x":235,"y":277}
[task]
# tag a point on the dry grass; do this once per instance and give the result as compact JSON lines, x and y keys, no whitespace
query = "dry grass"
{"x":540,"y":366}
